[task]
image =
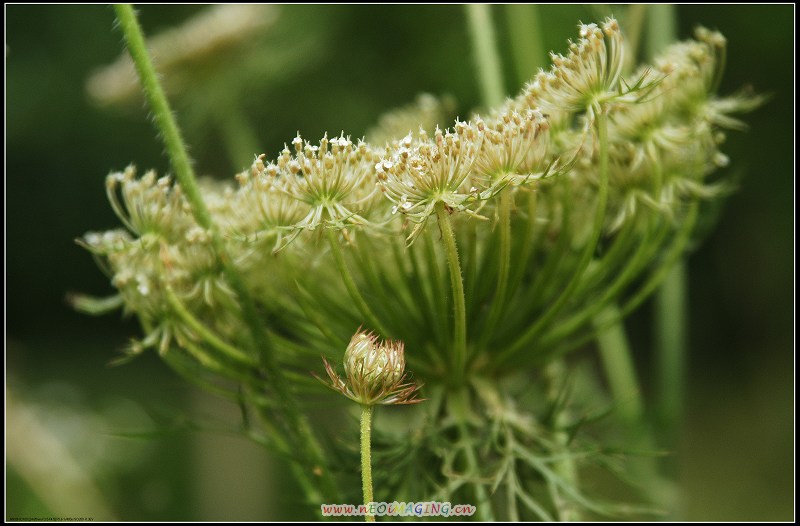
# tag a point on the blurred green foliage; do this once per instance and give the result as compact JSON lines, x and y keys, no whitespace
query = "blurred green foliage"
{"x":353,"y":64}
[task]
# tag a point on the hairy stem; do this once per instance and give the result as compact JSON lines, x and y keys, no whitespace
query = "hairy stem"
{"x":162,"y":114}
{"x":457,"y":287}
{"x":487,"y":59}
{"x":308,"y":448}
{"x":366,"y":457}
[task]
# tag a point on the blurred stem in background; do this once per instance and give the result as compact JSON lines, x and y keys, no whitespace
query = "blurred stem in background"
{"x":241,"y":142}
{"x":527,"y":46}
{"x":671,"y":343}
{"x":634,"y":25}
{"x":487,"y":59}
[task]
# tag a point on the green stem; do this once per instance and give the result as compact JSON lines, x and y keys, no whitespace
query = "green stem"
{"x":351,"y":287}
{"x":619,"y":279}
{"x":471,"y":270}
{"x":671,"y":306}
{"x":526,"y":36}
{"x":366,"y":457}
{"x":634,"y":23}
{"x":457,"y":286}
{"x":240,"y":141}
{"x":671,"y":345}
{"x":297,"y":425}
{"x":672,"y":256}
{"x":656,"y":277}
{"x":662,"y":28}
{"x":511,"y":480}
{"x":621,"y":374}
{"x":618,"y":363}
{"x":487,"y":59}
{"x":527,"y":241}
{"x":235,"y":355}
{"x":504,"y":257}
{"x":162,"y":115}
{"x":438,"y":285}
{"x":535,"y":330}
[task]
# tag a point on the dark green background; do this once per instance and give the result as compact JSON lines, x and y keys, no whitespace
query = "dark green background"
{"x":736,"y":461}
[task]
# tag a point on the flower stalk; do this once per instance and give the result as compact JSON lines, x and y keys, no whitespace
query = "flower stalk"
{"x":459,"y":350}
{"x":366,"y":458}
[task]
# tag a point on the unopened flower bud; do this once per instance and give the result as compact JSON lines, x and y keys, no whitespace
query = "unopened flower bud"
{"x":374,"y":371}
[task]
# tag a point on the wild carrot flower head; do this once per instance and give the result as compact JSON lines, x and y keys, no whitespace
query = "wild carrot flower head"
{"x":332,"y":181}
{"x":422,"y":173}
{"x":265,"y":209}
{"x":374,"y":372}
{"x":587,"y":76}
{"x":513,"y":147}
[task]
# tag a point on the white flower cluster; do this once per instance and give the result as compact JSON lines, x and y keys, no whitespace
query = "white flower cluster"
{"x":663,"y":126}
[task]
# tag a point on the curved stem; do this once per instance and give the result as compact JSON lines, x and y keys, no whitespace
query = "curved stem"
{"x":366,"y":457}
{"x":656,"y":277}
{"x":597,"y":229}
{"x":351,"y":286}
{"x":162,"y":114}
{"x":457,"y":286}
{"x":234,"y":354}
{"x":297,"y":425}
{"x":504,"y":256}
{"x":622,"y":278}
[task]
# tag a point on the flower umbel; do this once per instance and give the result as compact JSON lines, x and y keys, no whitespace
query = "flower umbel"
{"x":374,"y":372}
